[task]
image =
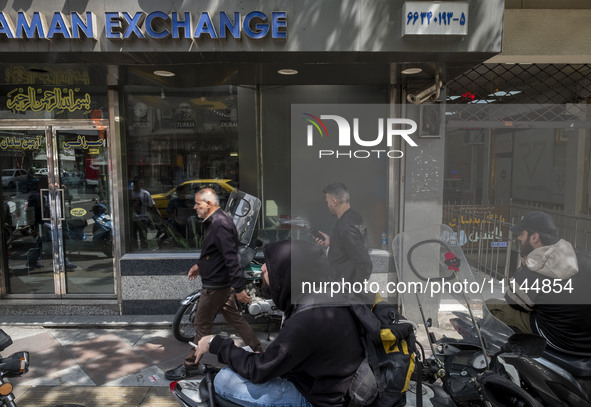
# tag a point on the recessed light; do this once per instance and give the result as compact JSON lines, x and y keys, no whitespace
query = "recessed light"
{"x":288,"y":71}
{"x":167,"y":74}
{"x":411,"y":71}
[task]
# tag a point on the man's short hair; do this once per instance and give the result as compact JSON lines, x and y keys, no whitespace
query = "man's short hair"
{"x":209,"y":195}
{"x":337,"y":190}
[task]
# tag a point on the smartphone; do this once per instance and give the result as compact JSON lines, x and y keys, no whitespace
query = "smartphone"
{"x":316,"y":234}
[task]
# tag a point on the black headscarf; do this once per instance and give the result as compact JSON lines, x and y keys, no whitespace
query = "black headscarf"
{"x":289,"y":262}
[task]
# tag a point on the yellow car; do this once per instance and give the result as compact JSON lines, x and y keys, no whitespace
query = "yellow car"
{"x":222,"y":187}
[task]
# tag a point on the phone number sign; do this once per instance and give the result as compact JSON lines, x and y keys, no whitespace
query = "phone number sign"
{"x":435,"y":18}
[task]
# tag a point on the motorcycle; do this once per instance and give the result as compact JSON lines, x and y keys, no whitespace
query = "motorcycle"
{"x":12,"y":366}
{"x":243,"y":209}
{"x":199,"y":392}
{"x":459,"y":373}
{"x":489,"y":365}
{"x":102,"y":229}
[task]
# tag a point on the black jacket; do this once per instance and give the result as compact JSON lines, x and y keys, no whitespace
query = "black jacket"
{"x":318,"y":350}
{"x":558,"y":303}
{"x":219,"y":263}
{"x":348,"y":254}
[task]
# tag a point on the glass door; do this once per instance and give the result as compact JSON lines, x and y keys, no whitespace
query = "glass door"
{"x":27,"y":267}
{"x":57,"y":238}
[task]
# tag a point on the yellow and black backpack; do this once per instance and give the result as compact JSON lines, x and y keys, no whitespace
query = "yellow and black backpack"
{"x":390,"y":345}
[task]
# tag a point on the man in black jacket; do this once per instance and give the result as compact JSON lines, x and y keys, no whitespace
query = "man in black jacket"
{"x":548,"y":295}
{"x":222,"y":280}
{"x":347,"y":251}
{"x":313,"y":358}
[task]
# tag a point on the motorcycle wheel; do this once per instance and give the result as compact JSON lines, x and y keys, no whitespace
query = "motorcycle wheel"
{"x":182,"y":324}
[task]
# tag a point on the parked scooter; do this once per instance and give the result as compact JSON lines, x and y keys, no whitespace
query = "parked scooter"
{"x":243,"y":209}
{"x":12,"y":366}
{"x":102,"y":229}
{"x":553,"y":378}
{"x":489,"y":364}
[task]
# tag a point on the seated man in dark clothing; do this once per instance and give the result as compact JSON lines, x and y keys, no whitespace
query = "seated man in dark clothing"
{"x":313,"y":358}
{"x":548,"y":295}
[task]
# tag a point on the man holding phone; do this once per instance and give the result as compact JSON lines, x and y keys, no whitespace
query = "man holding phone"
{"x":347,"y":251}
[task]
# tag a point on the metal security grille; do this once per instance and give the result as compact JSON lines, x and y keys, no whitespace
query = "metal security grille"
{"x":512,"y":97}
{"x":521,"y":84}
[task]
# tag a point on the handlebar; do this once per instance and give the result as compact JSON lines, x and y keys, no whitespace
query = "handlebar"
{"x":451,"y":260}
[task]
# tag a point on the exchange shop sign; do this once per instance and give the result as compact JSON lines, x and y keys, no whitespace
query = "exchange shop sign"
{"x":156,"y":25}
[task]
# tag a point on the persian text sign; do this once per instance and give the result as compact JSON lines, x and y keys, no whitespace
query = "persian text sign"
{"x":23,"y":99}
{"x":21,"y":144}
{"x":435,"y":18}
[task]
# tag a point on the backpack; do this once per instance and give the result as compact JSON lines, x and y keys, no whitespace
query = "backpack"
{"x":390,"y":346}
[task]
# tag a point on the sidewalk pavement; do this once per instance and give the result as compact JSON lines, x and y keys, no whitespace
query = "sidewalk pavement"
{"x":99,"y":361}
{"x":108,"y":361}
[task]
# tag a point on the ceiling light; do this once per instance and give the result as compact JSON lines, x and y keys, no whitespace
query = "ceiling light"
{"x":287,"y":71}
{"x":411,"y":71}
{"x":167,"y":74}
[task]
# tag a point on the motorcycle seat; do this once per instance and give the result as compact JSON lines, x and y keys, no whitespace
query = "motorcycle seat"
{"x":218,"y":400}
{"x":579,"y":366}
{"x":221,"y":402}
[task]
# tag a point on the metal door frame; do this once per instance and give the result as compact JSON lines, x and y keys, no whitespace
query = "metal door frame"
{"x":50,"y":127}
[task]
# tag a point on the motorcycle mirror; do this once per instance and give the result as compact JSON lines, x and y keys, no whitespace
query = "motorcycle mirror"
{"x":522,"y":344}
{"x":256,"y":244}
{"x":5,"y":340}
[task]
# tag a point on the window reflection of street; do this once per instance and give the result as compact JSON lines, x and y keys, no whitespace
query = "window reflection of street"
{"x":32,"y":272}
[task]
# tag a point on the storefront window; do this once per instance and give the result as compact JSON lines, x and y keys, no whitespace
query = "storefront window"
{"x":464,"y":166}
{"x":177,"y":143}
{"x":281,"y":165}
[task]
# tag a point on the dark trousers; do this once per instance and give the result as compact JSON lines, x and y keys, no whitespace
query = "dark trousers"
{"x":139,"y":233}
{"x":224,"y":301}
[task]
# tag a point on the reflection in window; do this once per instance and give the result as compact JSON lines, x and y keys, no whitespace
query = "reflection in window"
{"x":177,"y":143}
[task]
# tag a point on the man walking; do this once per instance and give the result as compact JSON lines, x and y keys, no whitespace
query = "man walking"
{"x":141,"y":203}
{"x":347,"y":251}
{"x":222,"y":280}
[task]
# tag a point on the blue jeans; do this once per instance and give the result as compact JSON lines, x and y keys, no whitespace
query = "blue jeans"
{"x":275,"y":393}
